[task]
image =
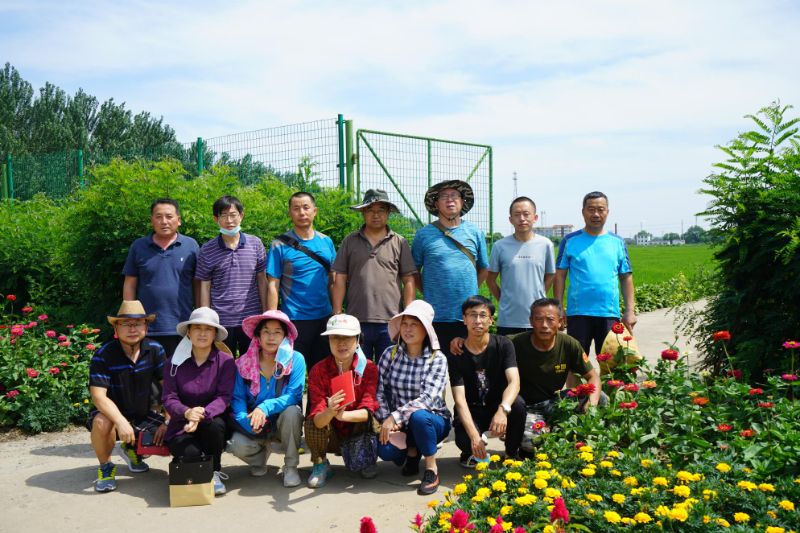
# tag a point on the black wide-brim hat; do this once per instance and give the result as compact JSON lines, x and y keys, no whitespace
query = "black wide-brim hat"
{"x":375,"y":196}
{"x":461,"y":186}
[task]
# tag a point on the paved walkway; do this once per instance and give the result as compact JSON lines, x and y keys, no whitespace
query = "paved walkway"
{"x":47,"y":485}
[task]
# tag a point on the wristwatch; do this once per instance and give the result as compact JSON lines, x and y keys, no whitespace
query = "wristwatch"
{"x":506,"y":408}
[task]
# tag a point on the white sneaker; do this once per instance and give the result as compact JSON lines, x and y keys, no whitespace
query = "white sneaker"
{"x":259,"y":471}
{"x":291,"y":477}
{"x":219,"y":486}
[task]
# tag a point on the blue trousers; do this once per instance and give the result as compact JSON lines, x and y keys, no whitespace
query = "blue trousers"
{"x":374,"y":339}
{"x":424,"y":431}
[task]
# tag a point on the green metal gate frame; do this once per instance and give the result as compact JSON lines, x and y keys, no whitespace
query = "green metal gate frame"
{"x":428,"y":140}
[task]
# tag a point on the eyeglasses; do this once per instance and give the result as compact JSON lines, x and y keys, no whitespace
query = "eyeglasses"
{"x":478,"y":316}
{"x":131,"y":325}
{"x":449,"y":196}
{"x":229,"y":216}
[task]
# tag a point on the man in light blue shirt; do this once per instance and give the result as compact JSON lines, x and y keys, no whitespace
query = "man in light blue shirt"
{"x":525,"y":264}
{"x":451,"y":255}
{"x":598,"y":266}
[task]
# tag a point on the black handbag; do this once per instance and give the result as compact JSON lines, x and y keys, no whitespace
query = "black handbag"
{"x":191,"y":482}
{"x":361,"y":450}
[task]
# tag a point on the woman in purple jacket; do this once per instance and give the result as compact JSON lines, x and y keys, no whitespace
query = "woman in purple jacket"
{"x":198,"y":384}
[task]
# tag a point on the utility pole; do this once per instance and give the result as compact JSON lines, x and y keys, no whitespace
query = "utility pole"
{"x":515,"y":185}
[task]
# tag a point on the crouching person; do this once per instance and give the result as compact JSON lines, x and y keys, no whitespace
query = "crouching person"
{"x":331,"y":421}
{"x":197,"y":391}
{"x":122,"y":376}
{"x":268,"y":394}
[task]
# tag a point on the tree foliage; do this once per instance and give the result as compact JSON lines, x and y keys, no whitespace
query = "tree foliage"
{"x":695,"y":235}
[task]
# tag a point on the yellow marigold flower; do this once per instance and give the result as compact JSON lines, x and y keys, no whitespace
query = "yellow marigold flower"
{"x":708,"y":494}
{"x":631,"y":481}
{"x":723,"y":467}
{"x":477,"y":499}
{"x":445,"y":516}
{"x":567,"y":483}
{"x":786,"y":505}
{"x":685,"y":476}
{"x":774,"y":529}
{"x":542,"y":474}
{"x":527,"y":499}
{"x":543,"y":464}
{"x":516,"y":464}
{"x":618,"y":498}
{"x":539,"y":483}
{"x":678,"y":513}
{"x":513,"y":476}
{"x":649,"y":384}
{"x":637,"y":491}
{"x":606,"y":464}
{"x":588,"y":472}
{"x":615,"y":454}
{"x":682,"y":490}
{"x":494,"y":458}
{"x":722,"y":522}
{"x":447,"y":503}
{"x":507,"y":526}
{"x":499,"y":486}
{"x":766,"y":487}
{"x":772,"y":514}
{"x":467,"y":477}
{"x":747,"y":485}
{"x":552,"y":493}
{"x":504,"y":510}
{"x":522,"y":490}
{"x":490,"y":520}
{"x":706,"y":519}
{"x":432,"y":504}
{"x":548,"y":529}
{"x":642,"y":518}
{"x":662,"y":510}
{"x":742,"y":518}
{"x":646,"y":463}
{"x":76,"y":405}
{"x":747,"y":470}
{"x":585,"y":448}
{"x":662,"y":481}
{"x":592,"y":497}
{"x":481,"y":475}
{"x":481,"y":466}
{"x":483,"y":492}
{"x":541,"y":457}
{"x":590,"y":511}
{"x":508,"y":462}
{"x":616,"y":472}
{"x":587,"y":456}
{"x":612,"y":517}
{"x":459,"y":489}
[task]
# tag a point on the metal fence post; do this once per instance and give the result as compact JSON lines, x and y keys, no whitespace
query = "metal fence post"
{"x":340,"y":129}
{"x":80,"y":168}
{"x":430,"y":177}
{"x":348,"y":135}
{"x":10,"y":176}
{"x":491,"y":202}
{"x":199,"y":155}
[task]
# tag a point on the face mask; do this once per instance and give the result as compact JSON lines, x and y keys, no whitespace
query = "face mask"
{"x":230,"y":232}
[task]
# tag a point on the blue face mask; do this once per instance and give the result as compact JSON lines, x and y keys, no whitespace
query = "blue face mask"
{"x":230,"y":232}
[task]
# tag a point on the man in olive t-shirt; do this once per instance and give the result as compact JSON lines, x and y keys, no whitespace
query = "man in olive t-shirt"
{"x":545,"y":356}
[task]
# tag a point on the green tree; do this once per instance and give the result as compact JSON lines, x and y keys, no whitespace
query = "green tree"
{"x":695,"y":235}
{"x":16,"y":96}
{"x":670,"y":237}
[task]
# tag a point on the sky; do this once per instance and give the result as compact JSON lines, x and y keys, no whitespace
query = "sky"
{"x":629,"y":98}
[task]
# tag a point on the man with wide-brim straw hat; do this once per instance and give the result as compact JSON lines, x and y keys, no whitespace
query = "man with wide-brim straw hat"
{"x":451,"y":255}
{"x":121,"y":376}
{"x":375,"y":269}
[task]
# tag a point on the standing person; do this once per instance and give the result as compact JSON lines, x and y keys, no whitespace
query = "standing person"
{"x":159,"y":272}
{"x":525,"y":264}
{"x":329,"y":423}
{"x":197,"y":391}
{"x":230,"y":269}
{"x":411,"y":384}
{"x":451,"y":255}
{"x":597,"y":263}
{"x":122,"y":375}
{"x":485,"y":383}
{"x":299,"y":271}
{"x":267,"y":396}
{"x":371,"y":265}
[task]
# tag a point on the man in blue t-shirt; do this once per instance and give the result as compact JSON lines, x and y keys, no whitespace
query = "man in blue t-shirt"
{"x":598,"y":266}
{"x":451,"y":255}
{"x":300,"y":279}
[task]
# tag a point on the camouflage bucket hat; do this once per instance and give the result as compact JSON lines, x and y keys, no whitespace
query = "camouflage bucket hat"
{"x":461,"y":186}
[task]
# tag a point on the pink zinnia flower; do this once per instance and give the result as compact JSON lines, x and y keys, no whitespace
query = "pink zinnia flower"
{"x":62,"y":338}
{"x":747,"y":433}
{"x":670,"y":355}
{"x":559,"y":511}
{"x":27,"y":309}
{"x":31,"y":372}
{"x":11,"y":298}
{"x":12,"y":394}
{"x":54,"y":370}
{"x":51,"y":334}
{"x":735,"y":374}
{"x":64,"y":344}
{"x":615,"y":383}
{"x":42,"y":317}
{"x":32,"y":324}
{"x":631,"y":387}
{"x":789,"y":377}
{"x":789,"y":345}
{"x":460,"y":519}
{"x":367,"y":526}
{"x":90,"y":347}
{"x":766,"y":405}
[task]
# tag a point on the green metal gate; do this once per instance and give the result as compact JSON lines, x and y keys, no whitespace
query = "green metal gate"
{"x":407,"y":165}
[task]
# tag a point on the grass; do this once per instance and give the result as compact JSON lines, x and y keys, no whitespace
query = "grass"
{"x":654,"y":264}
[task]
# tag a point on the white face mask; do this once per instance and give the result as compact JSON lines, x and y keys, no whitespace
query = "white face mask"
{"x":230,"y":232}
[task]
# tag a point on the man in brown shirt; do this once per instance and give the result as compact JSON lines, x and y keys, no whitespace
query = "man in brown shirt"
{"x":375,"y":269}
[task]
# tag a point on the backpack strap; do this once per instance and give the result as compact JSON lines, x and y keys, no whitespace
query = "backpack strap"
{"x":449,"y":235}
{"x":289,"y":240}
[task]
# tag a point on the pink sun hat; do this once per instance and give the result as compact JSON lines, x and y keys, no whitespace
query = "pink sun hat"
{"x":250,"y":323}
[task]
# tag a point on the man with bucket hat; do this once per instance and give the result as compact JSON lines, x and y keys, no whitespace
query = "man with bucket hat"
{"x":371,"y":265}
{"x":451,"y":255}
{"x":123,"y":376}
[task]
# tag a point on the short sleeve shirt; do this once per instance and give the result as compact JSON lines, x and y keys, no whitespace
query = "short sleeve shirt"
{"x":129,"y":385}
{"x":448,"y":276}
{"x":303,"y":281}
{"x":232,"y":273}
{"x":594,"y":264}
{"x":522,"y":266}
{"x":543,"y":374}
{"x":373,"y":274}
{"x":164,"y":280}
{"x":483,"y":375}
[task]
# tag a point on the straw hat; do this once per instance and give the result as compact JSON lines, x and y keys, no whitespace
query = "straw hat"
{"x":130,"y":309}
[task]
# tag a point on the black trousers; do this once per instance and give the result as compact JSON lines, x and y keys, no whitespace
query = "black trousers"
{"x":482,"y":416}
{"x":237,"y":341}
{"x":310,"y":343}
{"x":511,"y":331}
{"x":447,"y":331}
{"x":208,"y":439}
{"x":590,"y":328}
{"x":169,"y":342}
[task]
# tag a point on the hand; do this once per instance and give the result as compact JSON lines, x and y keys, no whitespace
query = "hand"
{"x":499,"y":423}
{"x":126,"y":433}
{"x":389,"y":426}
{"x":195,"y":414}
{"x":629,"y":319}
{"x":190,"y":427}
{"x":257,"y":419}
{"x":457,"y":346}
{"x":478,"y":447}
{"x":334,"y":403}
{"x":158,"y":436}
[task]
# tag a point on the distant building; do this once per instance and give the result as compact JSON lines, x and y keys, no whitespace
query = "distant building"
{"x":559,"y":230}
{"x":648,"y":240}
{"x":644,"y":239}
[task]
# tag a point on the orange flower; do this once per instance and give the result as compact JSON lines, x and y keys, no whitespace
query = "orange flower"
{"x":700,"y":400}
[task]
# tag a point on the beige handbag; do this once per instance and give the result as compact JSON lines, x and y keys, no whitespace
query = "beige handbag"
{"x":191,"y":482}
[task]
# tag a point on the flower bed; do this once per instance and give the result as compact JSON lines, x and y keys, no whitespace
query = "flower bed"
{"x":44,"y":370}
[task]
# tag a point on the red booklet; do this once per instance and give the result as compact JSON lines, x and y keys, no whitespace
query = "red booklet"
{"x":344,"y":382}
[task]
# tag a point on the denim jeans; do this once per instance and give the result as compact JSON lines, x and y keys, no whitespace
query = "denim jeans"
{"x":374,"y":339}
{"x":424,"y":431}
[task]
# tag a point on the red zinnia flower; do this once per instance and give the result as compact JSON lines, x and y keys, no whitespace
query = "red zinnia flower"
{"x":766,"y":405}
{"x":735,"y":374}
{"x":615,"y":383}
{"x":724,"y":427}
{"x":12,"y":394}
{"x":54,"y":370}
{"x":367,"y":526}
{"x":17,"y":330}
{"x":584,"y":389}
{"x":64,"y":344}
{"x":32,"y":324}
{"x":62,"y":338}
{"x":90,"y":347}
{"x":42,"y":317}
{"x":601,"y":357}
{"x":700,"y":400}
{"x":756,"y":391}
{"x":580,"y":444}
{"x":670,"y":355}
{"x":86,"y":331}
{"x":70,"y":326}
{"x":460,"y":519}
{"x":628,"y":405}
{"x":747,"y":433}
{"x":95,"y":330}
{"x":11,"y":298}
{"x":31,"y":372}
{"x":631,"y":387}
{"x":51,"y":334}
{"x":722,"y":336}
{"x":618,"y":328}
{"x":627,"y":338}
{"x":418,"y":520}
{"x":791,"y":345}
{"x":559,"y":511}
{"x":27,"y":309}
{"x":538,"y":425}
{"x":789,"y":377}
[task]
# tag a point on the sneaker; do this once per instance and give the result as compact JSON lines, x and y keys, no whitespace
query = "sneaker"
{"x":106,"y":478}
{"x":259,"y":471}
{"x":469,"y":461}
{"x":291,"y":477}
{"x":411,"y":466}
{"x":320,"y":474}
{"x":430,"y":483}
{"x":134,"y":461}
{"x":219,"y":486}
{"x":369,"y":472}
